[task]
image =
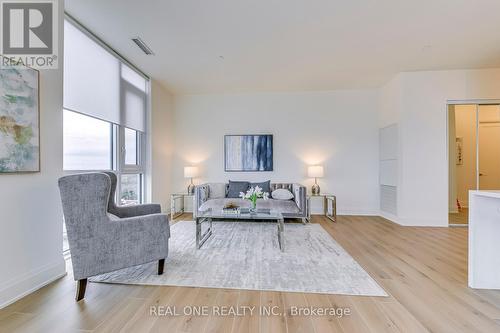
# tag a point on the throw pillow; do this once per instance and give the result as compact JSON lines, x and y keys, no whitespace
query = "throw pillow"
{"x":235,"y":188}
{"x":265,"y":186}
{"x":204,"y":193}
{"x":217,"y":190}
{"x":282,"y":194}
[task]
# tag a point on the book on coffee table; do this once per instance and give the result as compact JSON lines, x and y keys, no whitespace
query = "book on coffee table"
{"x":231,"y":208}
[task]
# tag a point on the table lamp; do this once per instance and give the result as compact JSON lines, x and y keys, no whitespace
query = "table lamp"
{"x":315,"y":171}
{"x":190,"y":172}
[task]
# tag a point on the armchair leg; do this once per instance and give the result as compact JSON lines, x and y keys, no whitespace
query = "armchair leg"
{"x":81,"y":285}
{"x":161,"y":264}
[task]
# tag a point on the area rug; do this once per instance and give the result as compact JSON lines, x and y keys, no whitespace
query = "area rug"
{"x":246,"y":255}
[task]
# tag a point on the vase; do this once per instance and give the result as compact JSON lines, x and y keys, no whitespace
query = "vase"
{"x":253,"y":208}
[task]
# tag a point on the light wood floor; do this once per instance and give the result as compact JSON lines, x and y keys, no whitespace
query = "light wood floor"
{"x":462,"y":217}
{"x":423,"y":269}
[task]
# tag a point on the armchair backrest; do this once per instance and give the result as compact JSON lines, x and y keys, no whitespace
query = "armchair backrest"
{"x":84,"y":201}
{"x":112,"y":206}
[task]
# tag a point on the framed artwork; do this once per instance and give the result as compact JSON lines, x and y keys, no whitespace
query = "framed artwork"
{"x":19,"y":120}
{"x":459,"y":142}
{"x":248,"y":152}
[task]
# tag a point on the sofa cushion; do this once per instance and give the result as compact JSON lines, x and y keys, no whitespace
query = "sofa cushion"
{"x":235,"y":188}
{"x":217,"y":190}
{"x":282,"y":206}
{"x":282,"y":194}
{"x":265,"y":186}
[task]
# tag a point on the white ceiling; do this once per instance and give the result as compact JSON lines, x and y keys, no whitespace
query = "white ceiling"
{"x":208,"y":46}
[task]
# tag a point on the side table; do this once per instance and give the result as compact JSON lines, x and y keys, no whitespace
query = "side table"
{"x":176,"y":211}
{"x":329,"y":204}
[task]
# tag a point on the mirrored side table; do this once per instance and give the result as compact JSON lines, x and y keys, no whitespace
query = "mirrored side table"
{"x":329,"y":206}
{"x":177,"y":204}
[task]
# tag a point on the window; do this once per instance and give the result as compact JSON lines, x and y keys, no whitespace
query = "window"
{"x":131,"y":147}
{"x":87,"y":142}
{"x":131,"y":189}
{"x":105,"y":104}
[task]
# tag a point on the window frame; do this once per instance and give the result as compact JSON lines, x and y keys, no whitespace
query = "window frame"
{"x":131,"y":169}
{"x":140,"y":148}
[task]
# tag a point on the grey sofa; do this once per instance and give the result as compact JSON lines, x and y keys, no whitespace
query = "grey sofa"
{"x":104,"y":237}
{"x":214,"y":196}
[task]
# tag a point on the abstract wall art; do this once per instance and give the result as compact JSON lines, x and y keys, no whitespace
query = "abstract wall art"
{"x":19,"y":120}
{"x":248,"y":152}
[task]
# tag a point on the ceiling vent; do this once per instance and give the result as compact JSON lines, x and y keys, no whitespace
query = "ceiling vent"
{"x":146,"y":49}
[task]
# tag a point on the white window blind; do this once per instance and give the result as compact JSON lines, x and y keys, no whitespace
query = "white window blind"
{"x":98,"y":84}
{"x":91,"y":77}
{"x":133,"y":90}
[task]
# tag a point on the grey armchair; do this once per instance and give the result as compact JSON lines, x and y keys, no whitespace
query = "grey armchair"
{"x":100,"y":243}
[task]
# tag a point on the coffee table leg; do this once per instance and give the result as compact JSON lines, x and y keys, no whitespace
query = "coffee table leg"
{"x":281,"y":238}
{"x":202,"y":238}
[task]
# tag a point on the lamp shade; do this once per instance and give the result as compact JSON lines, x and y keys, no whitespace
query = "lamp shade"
{"x":190,"y":172}
{"x":315,"y":171}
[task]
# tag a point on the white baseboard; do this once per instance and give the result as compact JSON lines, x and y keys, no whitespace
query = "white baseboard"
{"x":348,"y":211}
{"x":25,"y":284}
{"x":361,"y":212}
{"x":422,"y":222}
{"x":389,"y":216}
{"x":413,"y":222}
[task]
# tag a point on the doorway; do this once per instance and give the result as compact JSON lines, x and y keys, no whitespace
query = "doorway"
{"x":474,"y":155}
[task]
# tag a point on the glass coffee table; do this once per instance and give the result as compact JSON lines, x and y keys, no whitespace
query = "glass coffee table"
{"x":208,"y":216}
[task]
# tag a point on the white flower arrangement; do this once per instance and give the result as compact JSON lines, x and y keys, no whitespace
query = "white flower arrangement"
{"x":253,"y":194}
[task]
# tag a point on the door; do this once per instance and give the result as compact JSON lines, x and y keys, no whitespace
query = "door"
{"x":489,"y":147}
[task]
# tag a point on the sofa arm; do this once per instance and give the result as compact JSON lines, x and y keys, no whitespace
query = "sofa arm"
{"x":201,"y":194}
{"x":300,"y":198}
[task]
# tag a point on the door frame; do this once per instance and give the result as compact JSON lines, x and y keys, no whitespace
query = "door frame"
{"x":477,"y":103}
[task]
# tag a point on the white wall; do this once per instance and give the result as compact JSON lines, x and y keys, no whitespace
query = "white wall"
{"x":30,"y":206}
{"x":161,"y":145}
{"x":421,"y":113}
{"x":389,"y":99}
{"x":336,"y":129}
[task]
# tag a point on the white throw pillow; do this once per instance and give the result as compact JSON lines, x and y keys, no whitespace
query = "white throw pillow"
{"x":217,"y":191}
{"x":282,"y":194}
